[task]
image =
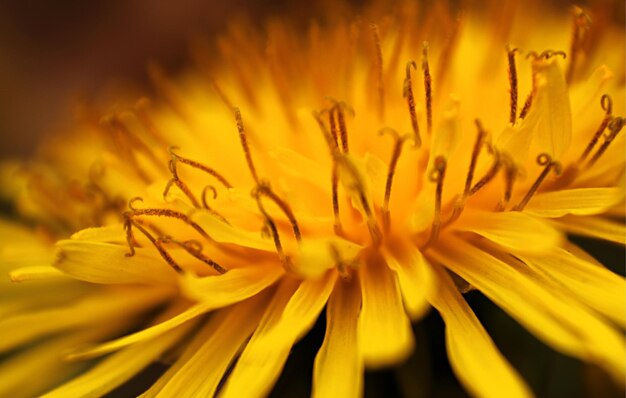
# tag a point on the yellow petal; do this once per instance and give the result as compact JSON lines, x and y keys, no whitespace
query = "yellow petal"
{"x":118,"y":368}
{"x":224,"y":233}
{"x":109,"y":234}
{"x":447,"y":135}
{"x":474,"y":357}
{"x":212,"y":291}
{"x":36,"y":272}
{"x":338,"y":370}
{"x":355,"y":180}
{"x":413,"y":281}
{"x":137,"y":337}
{"x":235,"y":285}
{"x":551,"y":107}
{"x":316,"y":256}
{"x":289,"y":316}
{"x":200,"y":374}
{"x":587,"y":95}
{"x":537,"y":303}
{"x":513,"y":230}
{"x":107,"y":263}
{"x":580,"y":201}
{"x":105,"y":307}
{"x":592,"y":284}
{"x":38,"y":368}
{"x":385,"y":335}
{"x":516,"y":140}
{"x":595,"y":227}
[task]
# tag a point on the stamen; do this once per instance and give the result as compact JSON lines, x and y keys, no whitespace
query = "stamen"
{"x":407,"y":92}
{"x":512,"y":82}
{"x":333,"y":124}
{"x":543,"y":160}
{"x":181,"y":185}
{"x":478,"y":144}
{"x":529,"y":100}
{"x":510,"y":174}
{"x":330,"y":140}
{"x":491,"y":173}
{"x":379,"y":69}
{"x":124,"y":147}
{"x":194,"y":248}
{"x":264,"y":189}
{"x":155,"y":212}
{"x":437,"y":175}
{"x":199,"y":166}
{"x":480,"y":138}
{"x":607,"y":105}
{"x":132,"y":139}
{"x":358,"y":186}
{"x":335,"y":185}
{"x":206,"y":205}
{"x":129,"y":223}
{"x":615,"y":126}
{"x":271,"y":226}
{"x":244,"y":145}
{"x":427,"y":88}
{"x":395,"y":155}
{"x":341,"y":119}
{"x":527,"y":104}
{"x":334,"y":154}
{"x":581,"y":25}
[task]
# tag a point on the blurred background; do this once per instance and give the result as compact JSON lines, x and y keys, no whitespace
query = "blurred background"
{"x":54,"y":53}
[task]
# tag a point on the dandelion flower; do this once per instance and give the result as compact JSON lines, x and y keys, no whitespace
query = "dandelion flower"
{"x":374,"y":167}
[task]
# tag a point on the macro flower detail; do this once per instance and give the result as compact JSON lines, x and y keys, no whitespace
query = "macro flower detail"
{"x":370,"y":169}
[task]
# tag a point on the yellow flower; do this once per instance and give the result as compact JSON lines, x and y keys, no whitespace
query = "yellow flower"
{"x":375,"y":166}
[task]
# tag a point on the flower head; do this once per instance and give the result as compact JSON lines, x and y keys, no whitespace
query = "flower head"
{"x":373,"y":168}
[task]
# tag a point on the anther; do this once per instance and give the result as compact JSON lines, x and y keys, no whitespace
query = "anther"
{"x":512,"y":83}
{"x":543,"y":160}
{"x":335,"y":198}
{"x":155,"y":212}
{"x":437,"y":176}
{"x":175,"y":180}
{"x":427,"y":88}
{"x":379,"y":71}
{"x":340,"y":108}
{"x":510,"y":175}
{"x":194,"y":248}
{"x":395,"y":155}
{"x":615,"y":126}
{"x":607,"y":105}
{"x":199,"y":166}
{"x":547,"y":54}
{"x":270,"y":227}
{"x":129,"y":223}
{"x":334,"y":153}
{"x":478,"y":144}
{"x":407,"y":92}
{"x":264,"y":189}
{"x":206,"y":206}
{"x":244,"y":144}
{"x":337,"y":123}
{"x":527,"y":104}
{"x":359,"y":187}
{"x":490,"y":174}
